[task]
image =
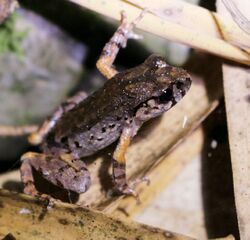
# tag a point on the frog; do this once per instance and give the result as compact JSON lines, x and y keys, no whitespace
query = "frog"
{"x":83,"y":125}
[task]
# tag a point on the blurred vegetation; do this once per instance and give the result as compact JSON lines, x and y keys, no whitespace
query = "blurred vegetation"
{"x":10,"y":38}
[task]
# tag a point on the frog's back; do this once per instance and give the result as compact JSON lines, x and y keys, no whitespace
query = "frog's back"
{"x":97,"y":121}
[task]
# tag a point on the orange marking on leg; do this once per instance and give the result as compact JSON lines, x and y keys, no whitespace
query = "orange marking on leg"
{"x":104,"y":65}
{"x":119,"y":154}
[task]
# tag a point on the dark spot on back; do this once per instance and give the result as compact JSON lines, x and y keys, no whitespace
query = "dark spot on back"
{"x":111,"y":125}
{"x":77,"y":144}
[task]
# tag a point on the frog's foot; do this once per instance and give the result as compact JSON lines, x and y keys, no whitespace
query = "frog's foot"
{"x":28,"y":180}
{"x":126,"y":29}
{"x":129,"y":188}
{"x":30,"y":189}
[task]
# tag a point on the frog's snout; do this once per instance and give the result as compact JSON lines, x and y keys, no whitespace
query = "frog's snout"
{"x":183,"y":85}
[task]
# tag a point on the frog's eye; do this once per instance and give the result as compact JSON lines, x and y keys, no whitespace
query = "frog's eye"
{"x":167,"y":95}
{"x":183,"y":84}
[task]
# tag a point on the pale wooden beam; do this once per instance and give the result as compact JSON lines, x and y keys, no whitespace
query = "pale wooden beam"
{"x":236,"y":80}
{"x":209,"y":31}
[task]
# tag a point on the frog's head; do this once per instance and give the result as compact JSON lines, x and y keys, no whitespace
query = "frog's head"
{"x":168,"y":86}
{"x":172,"y":82}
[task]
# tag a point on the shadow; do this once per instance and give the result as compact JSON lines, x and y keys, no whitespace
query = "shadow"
{"x":217,"y":180}
{"x":14,"y":186}
{"x":208,"y":4}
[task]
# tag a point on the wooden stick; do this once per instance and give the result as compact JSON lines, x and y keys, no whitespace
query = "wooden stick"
{"x":17,"y":130}
{"x":221,"y":36}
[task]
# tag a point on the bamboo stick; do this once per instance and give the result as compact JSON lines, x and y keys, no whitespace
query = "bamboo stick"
{"x":213,"y":42}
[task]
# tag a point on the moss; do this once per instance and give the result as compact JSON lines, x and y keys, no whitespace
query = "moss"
{"x":10,"y":38}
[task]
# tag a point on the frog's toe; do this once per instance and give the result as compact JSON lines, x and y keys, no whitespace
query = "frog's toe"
{"x":129,"y":189}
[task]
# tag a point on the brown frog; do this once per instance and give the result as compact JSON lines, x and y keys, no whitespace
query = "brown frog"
{"x":84,"y":125}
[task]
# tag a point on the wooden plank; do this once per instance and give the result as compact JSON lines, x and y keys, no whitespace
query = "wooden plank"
{"x":237,"y":97}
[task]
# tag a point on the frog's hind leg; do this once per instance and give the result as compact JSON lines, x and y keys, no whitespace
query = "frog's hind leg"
{"x":118,"y":40}
{"x":37,"y":137}
{"x":119,"y":162}
{"x":69,"y":174}
{"x":26,"y":172}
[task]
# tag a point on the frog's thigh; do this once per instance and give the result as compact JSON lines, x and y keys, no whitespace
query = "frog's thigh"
{"x":38,"y":136}
{"x":72,"y":176}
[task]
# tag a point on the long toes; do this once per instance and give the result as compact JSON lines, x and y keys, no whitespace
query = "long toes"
{"x":131,"y":192}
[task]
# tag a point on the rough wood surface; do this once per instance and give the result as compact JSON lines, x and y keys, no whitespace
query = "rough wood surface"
{"x":25,"y":218}
{"x":237,"y":98}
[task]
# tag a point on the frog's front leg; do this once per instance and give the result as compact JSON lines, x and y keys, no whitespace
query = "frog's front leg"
{"x":119,"y":161}
{"x":37,"y":137}
{"x":118,"y":40}
{"x":64,"y":171}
